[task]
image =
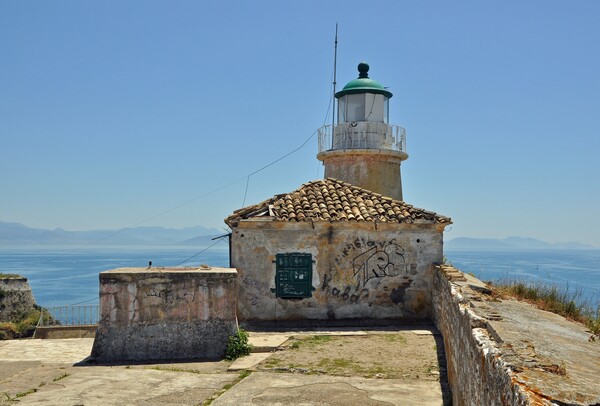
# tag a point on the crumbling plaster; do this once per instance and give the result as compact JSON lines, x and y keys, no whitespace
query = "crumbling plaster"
{"x":360,"y":269}
{"x":162,"y":314}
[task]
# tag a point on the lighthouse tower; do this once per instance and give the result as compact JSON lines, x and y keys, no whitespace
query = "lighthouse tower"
{"x":363,"y":149}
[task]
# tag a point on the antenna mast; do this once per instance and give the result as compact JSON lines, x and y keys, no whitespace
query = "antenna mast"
{"x":333,"y":112}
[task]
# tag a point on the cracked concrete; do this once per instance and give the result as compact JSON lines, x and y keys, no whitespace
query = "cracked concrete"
{"x":264,"y":388}
{"x":51,"y":372}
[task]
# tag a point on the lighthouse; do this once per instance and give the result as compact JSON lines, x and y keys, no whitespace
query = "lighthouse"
{"x":345,"y":248}
{"x":363,"y":148}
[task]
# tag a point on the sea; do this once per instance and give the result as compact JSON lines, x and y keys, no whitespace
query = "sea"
{"x":68,"y":276}
{"x":575,"y":271}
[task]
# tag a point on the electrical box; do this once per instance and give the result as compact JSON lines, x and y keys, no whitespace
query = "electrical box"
{"x":293,"y":275}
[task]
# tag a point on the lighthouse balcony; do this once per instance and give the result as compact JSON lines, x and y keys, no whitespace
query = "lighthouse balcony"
{"x":362,"y":135}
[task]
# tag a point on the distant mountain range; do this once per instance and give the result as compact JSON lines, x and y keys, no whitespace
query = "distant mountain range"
{"x":16,"y":234}
{"x":509,"y":243}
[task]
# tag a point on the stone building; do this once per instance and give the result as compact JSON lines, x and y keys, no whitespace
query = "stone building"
{"x":348,"y":246}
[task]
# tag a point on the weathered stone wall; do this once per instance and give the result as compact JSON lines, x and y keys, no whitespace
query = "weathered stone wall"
{"x":507,"y":352}
{"x":360,"y":270}
{"x":162,"y":314}
{"x":16,"y":298}
{"x":476,"y":373}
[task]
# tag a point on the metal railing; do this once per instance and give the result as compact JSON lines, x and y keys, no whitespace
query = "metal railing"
{"x":69,"y":315}
{"x":366,"y":135}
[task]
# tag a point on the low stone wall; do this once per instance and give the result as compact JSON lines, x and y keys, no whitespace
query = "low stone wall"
{"x":508,"y":352}
{"x":165,"y":314}
{"x":476,"y":373}
{"x":15,"y":298}
{"x":59,"y":332}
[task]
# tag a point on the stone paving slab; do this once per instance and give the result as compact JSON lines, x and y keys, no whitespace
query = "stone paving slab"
{"x":423,"y":332}
{"x":269,"y":389}
{"x":330,"y":333}
{"x":68,"y":350}
{"x":122,"y":386}
{"x":47,"y":370}
{"x":249,"y":361}
{"x":266,"y":342}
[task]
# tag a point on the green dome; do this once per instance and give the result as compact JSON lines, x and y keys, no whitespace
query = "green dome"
{"x":363,"y":84}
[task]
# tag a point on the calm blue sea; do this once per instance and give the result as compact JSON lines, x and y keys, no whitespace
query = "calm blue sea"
{"x":63,"y":276}
{"x":575,"y":270}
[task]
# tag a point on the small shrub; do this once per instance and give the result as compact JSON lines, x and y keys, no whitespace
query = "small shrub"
{"x":8,"y":331}
{"x":237,"y":345}
{"x":22,"y":327}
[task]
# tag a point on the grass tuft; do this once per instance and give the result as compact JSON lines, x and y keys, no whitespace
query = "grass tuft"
{"x":311,"y":341}
{"x":554,"y":299}
{"x":58,"y":378}
{"x":28,"y":392}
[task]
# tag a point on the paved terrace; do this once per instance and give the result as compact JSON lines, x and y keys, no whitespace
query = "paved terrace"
{"x":551,"y":360}
{"x":287,"y":368}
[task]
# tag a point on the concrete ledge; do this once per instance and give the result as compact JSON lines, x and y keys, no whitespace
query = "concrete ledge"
{"x":287,"y":325}
{"x":390,"y":154}
{"x":55,"y":332}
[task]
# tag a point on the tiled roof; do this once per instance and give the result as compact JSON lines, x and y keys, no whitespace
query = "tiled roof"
{"x":333,"y":200}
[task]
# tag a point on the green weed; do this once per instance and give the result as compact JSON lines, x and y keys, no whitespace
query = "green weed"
{"x":27,"y":392}
{"x":237,"y":345}
{"x":395,"y":338}
{"x":172,"y":369}
{"x":63,"y":376}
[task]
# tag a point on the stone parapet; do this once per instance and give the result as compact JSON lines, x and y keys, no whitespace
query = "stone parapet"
{"x":165,"y":314}
{"x":505,"y":352}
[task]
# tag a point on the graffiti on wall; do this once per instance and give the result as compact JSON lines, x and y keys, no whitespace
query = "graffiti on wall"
{"x":171,"y":297}
{"x":372,"y":259}
{"x":360,"y":261}
{"x":255,"y":290}
{"x":379,"y":262}
{"x":352,"y":294}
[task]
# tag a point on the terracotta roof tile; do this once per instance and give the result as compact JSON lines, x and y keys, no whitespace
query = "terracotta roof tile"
{"x":334,"y":200}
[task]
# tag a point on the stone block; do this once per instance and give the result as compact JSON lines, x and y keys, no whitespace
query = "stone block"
{"x":165,"y":314}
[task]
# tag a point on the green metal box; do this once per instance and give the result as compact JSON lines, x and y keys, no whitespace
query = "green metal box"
{"x":293,"y":275}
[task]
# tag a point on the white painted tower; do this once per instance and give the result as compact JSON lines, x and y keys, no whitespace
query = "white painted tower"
{"x":364,"y":149}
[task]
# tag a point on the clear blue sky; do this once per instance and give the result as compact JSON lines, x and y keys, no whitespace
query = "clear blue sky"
{"x":112,"y":112}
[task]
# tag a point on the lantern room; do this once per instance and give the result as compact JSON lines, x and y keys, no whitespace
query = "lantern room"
{"x":363,"y":148}
{"x":363,"y":99}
